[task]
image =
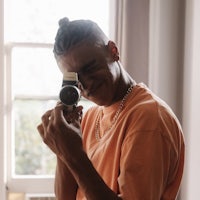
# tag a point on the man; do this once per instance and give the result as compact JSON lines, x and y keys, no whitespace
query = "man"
{"x":130,"y":146}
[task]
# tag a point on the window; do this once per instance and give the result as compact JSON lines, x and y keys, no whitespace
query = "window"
{"x":33,"y":81}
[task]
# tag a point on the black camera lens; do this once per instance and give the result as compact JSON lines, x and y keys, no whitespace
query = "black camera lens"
{"x":69,"y":95}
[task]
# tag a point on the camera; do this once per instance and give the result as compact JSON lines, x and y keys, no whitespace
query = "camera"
{"x":69,"y":94}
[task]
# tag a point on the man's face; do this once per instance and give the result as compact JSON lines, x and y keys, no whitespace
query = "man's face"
{"x":95,"y":73}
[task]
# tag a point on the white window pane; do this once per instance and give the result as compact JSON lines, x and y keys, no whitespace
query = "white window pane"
{"x":37,"y":21}
{"x":35,"y":72}
{"x":32,"y":156}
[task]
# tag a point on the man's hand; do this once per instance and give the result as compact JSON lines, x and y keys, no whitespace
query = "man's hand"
{"x":60,"y":131}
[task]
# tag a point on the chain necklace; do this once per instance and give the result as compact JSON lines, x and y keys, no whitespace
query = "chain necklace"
{"x":97,"y":125}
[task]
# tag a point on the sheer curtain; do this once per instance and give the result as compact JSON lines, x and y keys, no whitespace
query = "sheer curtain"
{"x":159,"y":44}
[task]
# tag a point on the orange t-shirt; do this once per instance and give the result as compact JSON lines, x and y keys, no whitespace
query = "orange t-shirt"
{"x":142,"y":156}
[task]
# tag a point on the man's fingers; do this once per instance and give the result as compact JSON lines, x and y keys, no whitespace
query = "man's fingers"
{"x":46,"y":117}
{"x":40,"y":130}
{"x":58,"y":115}
{"x":45,"y":122}
{"x":79,"y":110}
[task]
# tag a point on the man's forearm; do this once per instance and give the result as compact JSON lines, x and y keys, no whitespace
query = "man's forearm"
{"x":88,"y":179}
{"x":65,"y":184}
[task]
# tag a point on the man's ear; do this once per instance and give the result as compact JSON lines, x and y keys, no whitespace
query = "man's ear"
{"x":113,"y":50}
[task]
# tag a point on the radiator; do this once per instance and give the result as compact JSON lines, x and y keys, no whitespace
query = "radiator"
{"x":39,"y":197}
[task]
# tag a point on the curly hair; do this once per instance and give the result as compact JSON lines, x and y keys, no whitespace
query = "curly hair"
{"x":71,"y":33}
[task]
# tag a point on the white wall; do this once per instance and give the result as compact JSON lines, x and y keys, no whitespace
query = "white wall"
{"x":191,"y":104}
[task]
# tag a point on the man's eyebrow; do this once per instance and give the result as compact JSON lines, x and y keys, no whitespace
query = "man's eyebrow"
{"x":86,"y":66}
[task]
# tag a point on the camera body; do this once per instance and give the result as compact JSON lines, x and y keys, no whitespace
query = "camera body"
{"x":69,"y":94}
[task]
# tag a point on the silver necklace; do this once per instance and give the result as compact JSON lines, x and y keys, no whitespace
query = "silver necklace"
{"x":97,"y":125}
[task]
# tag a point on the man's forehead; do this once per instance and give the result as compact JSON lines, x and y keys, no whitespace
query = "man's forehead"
{"x":75,"y":60}
{"x":71,"y":64}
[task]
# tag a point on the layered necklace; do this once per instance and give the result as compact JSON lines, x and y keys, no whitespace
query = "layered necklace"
{"x":121,"y":105}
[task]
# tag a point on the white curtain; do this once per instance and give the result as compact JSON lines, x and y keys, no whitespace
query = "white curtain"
{"x":131,"y":30}
{"x":160,"y":45}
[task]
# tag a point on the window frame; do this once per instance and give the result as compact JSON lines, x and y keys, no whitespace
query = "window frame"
{"x":28,"y":184}
{"x":19,"y":183}
{"x":2,"y":108}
